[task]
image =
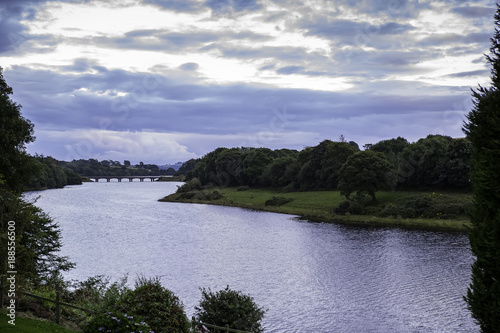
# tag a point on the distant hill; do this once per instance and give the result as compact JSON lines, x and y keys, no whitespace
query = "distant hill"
{"x":175,"y":166}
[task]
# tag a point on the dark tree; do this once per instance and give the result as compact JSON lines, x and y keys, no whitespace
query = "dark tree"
{"x":366,"y":172}
{"x":16,"y":166}
{"x":230,"y":307}
{"x":483,"y":131}
{"x":36,"y":236}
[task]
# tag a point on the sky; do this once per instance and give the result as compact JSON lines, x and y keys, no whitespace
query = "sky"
{"x":163,"y":81}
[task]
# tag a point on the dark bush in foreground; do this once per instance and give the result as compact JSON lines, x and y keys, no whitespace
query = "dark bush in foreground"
{"x":117,"y":322}
{"x":159,"y":307}
{"x":277,"y":201}
{"x":229,"y":307}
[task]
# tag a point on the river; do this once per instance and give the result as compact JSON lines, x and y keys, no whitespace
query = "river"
{"x":312,"y":277}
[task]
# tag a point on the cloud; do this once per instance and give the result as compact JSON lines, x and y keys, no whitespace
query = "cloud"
{"x":189,"y":66}
{"x":230,"y":7}
{"x":182,"y":6}
{"x":474,"y":11}
{"x":273,"y":73}
{"x":12,"y":32}
{"x":159,"y":148}
{"x":290,"y":70}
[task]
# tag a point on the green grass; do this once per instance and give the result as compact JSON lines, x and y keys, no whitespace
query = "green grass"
{"x":27,"y":325}
{"x":318,"y":205}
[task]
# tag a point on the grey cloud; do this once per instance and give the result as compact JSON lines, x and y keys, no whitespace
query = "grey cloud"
{"x":174,"y":42}
{"x":227,"y":7}
{"x":474,"y":11}
{"x":189,"y":66}
{"x":170,"y":105}
{"x":450,"y":38}
{"x":267,"y":67}
{"x":12,"y":32}
{"x":176,"y":5}
{"x":348,"y":32}
{"x":290,"y":70}
{"x":483,"y":72}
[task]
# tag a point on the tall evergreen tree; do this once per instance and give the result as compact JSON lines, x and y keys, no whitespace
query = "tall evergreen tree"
{"x":483,"y":130}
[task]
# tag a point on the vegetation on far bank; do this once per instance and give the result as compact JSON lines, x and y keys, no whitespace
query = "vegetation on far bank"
{"x":418,"y":209}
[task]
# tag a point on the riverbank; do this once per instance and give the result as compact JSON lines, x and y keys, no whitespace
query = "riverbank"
{"x":318,"y":206}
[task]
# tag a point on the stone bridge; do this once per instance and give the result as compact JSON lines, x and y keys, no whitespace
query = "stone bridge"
{"x":130,"y":178}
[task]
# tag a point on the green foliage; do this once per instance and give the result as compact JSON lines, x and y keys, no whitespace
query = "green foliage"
{"x":349,"y":206}
{"x":93,"y":167}
{"x":436,"y":161}
{"x":366,"y":172}
{"x":16,"y":165}
{"x":52,"y":175}
{"x":38,"y":241}
{"x":435,"y":206}
{"x":483,"y":131}
{"x":189,"y":186}
{"x":160,"y":308}
{"x":243,"y":188}
{"x":320,"y":165}
{"x":277,"y":201}
{"x":229,"y":307}
{"x":117,"y":322}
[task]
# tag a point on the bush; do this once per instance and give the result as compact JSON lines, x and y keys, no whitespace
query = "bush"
{"x":229,"y":307}
{"x":243,"y":188}
{"x":117,"y":322}
{"x":355,"y":208}
{"x":191,"y":185}
{"x":349,"y":206}
{"x":277,"y":201}
{"x":429,"y":206}
{"x":160,"y":308}
{"x":215,"y":195}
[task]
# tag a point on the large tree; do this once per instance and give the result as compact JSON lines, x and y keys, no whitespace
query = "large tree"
{"x":16,"y":166}
{"x":366,"y":172}
{"x":36,"y":236}
{"x":483,"y":131}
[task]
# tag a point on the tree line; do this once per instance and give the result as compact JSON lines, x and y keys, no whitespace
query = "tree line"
{"x":433,"y":162}
{"x":93,"y":167}
{"x":51,"y":173}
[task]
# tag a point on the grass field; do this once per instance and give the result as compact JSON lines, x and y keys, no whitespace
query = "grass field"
{"x":318,"y":206}
{"x":28,"y":325}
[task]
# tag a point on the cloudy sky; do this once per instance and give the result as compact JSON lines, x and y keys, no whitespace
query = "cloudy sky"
{"x":163,"y":81}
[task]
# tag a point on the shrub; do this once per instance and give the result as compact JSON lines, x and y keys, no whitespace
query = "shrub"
{"x":429,"y":206}
{"x":215,"y":195}
{"x":191,"y":185}
{"x":229,"y":307}
{"x":160,"y":308}
{"x":390,"y":210}
{"x":342,"y":208}
{"x":349,"y":206}
{"x":277,"y":201}
{"x":117,"y":322}
{"x":243,"y":188}
{"x":355,"y":208}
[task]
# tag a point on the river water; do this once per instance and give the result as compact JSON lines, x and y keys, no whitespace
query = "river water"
{"x":312,"y":277}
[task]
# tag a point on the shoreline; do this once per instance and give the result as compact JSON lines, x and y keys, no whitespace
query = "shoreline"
{"x":254,"y":199}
